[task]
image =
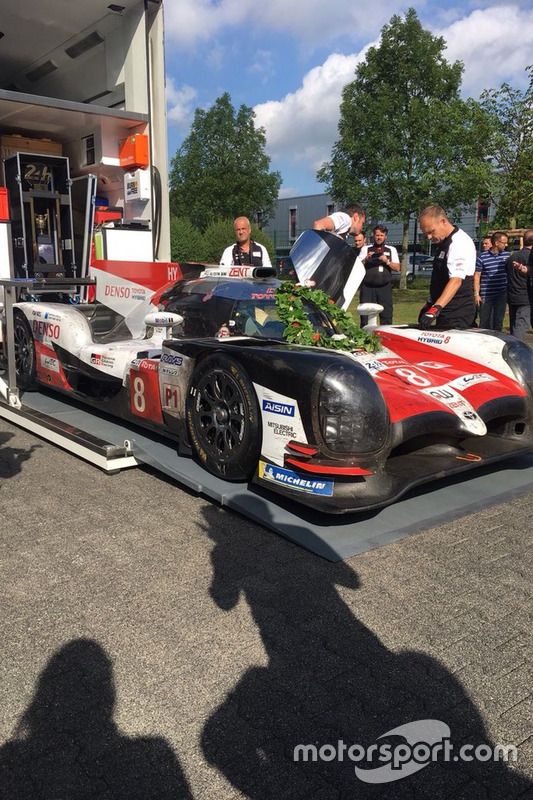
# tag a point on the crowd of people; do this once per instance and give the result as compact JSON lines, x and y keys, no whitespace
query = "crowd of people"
{"x":464,"y":283}
{"x":467,"y":288}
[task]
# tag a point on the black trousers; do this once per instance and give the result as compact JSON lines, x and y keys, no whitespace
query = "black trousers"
{"x":377,"y":294}
{"x":460,"y":318}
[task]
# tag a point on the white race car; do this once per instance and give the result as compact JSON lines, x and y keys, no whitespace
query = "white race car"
{"x":206,"y":361}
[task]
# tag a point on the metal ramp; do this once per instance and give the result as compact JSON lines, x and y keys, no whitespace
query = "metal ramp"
{"x":113,"y":445}
{"x":66,"y":433}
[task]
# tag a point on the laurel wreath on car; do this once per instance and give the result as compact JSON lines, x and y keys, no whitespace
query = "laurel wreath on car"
{"x":299,"y":330}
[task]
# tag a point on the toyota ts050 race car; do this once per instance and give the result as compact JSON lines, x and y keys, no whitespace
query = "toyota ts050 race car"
{"x":206,"y":362}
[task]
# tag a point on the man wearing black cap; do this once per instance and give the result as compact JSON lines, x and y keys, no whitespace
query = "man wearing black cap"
{"x":379,"y":260}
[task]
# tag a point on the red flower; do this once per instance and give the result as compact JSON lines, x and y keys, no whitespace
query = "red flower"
{"x":316,"y":337}
{"x":295,"y":324}
{"x":331,"y":302}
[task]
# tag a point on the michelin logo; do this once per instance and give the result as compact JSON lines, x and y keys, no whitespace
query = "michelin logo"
{"x":274,"y":407}
{"x":286,"y":477}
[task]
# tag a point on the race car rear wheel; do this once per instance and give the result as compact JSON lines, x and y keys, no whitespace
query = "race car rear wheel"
{"x":223,"y":418}
{"x":24,"y":352}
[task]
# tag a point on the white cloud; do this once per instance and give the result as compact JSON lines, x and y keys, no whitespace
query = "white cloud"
{"x":304,"y":123}
{"x":216,"y":55}
{"x":302,"y":126}
{"x":491,"y":47}
{"x":180,"y":104}
{"x":263,"y":65}
{"x":289,"y":191}
{"x":188,"y":22}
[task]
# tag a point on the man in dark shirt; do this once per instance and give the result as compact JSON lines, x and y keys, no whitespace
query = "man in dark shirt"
{"x":379,"y":260}
{"x":519,"y":287}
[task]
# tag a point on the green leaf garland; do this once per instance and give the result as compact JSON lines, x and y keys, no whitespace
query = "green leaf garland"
{"x":299,"y":330}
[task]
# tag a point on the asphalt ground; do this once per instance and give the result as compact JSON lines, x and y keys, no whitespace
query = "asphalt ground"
{"x":157,"y":646}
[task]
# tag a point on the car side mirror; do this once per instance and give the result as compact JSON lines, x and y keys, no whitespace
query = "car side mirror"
{"x":370,"y":310}
{"x":162,"y":322}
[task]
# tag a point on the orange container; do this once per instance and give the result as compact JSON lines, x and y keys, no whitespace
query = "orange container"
{"x":4,"y":205}
{"x":106,"y":214}
{"x":133,"y":151}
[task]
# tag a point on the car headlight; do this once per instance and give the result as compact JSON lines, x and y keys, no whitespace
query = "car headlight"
{"x":520,"y":358}
{"x":352,"y":412}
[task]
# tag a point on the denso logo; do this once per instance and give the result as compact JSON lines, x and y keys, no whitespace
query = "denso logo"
{"x":117,"y":291}
{"x":46,"y":329}
{"x":278,"y":408}
{"x":168,"y":359}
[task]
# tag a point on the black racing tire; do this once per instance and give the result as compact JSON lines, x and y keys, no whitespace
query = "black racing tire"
{"x":223,"y":418}
{"x":24,"y":352}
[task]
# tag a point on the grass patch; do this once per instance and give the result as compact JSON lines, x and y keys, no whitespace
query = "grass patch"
{"x":408,"y":302}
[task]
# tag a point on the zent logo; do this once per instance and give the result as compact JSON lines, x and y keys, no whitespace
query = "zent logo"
{"x":278,"y":408}
{"x":239,"y":272}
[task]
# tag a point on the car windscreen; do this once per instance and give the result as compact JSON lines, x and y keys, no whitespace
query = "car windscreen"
{"x":259,"y":317}
{"x":253,"y":312}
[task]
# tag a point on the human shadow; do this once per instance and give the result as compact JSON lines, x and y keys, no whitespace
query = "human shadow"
{"x":67,"y":745}
{"x":12,"y":458}
{"x":330,"y":679}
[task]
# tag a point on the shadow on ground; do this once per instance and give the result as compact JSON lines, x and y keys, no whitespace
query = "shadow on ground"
{"x":12,"y":458}
{"x":67,"y":747}
{"x":330,"y":679}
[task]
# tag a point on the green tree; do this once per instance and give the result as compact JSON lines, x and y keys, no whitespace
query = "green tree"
{"x":220,"y":233}
{"x":511,"y":112}
{"x":406,"y":139}
{"x":186,"y":241}
{"x":221,"y":169}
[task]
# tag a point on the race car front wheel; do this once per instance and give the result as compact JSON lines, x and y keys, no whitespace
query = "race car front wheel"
{"x":223,"y":418}
{"x":24,"y":352}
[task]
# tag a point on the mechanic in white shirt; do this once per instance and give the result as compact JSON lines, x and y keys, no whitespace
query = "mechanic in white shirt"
{"x":451,"y":301}
{"x":350,"y":220}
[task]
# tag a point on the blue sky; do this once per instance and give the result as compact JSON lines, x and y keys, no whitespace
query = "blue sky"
{"x":289,"y":60}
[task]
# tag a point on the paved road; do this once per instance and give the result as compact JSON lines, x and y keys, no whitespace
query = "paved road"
{"x":157,"y":646}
